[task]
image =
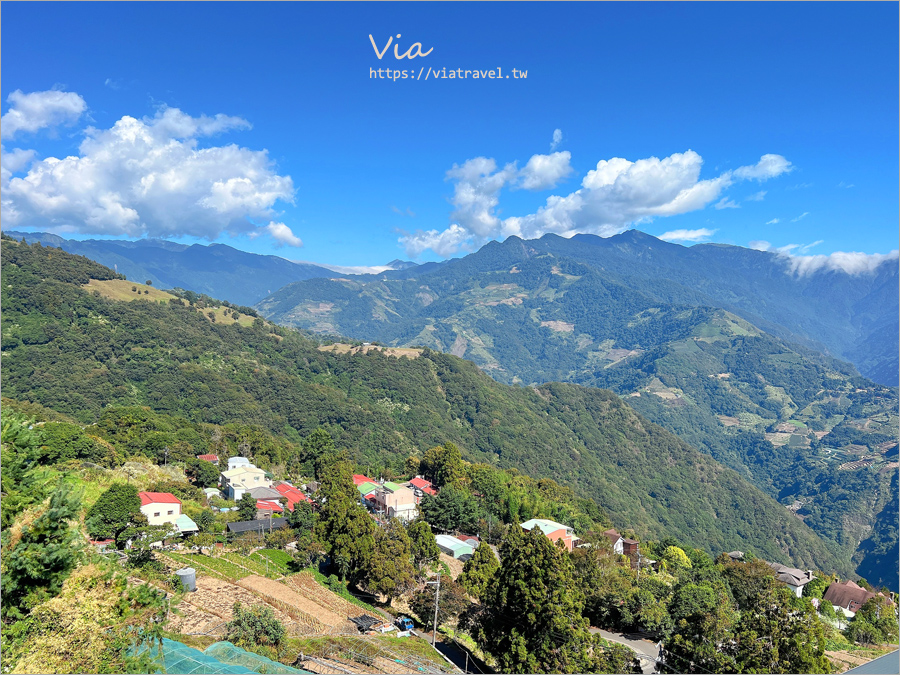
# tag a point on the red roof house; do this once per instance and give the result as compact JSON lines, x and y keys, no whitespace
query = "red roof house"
{"x":423,"y":485}
{"x":292,"y":494}
{"x":849,"y":596}
{"x":359,"y":479}
{"x":148,"y":498}
{"x":209,"y":458}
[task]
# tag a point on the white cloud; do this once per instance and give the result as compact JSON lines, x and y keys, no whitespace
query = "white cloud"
{"x":13,"y":161}
{"x":839,"y":261}
{"x":800,"y":186}
{"x":476,"y":195}
{"x":768,"y":166}
{"x":39,"y":110}
{"x":756,"y":196}
{"x":614,"y":195}
{"x":150,"y":177}
{"x":443,"y":243}
{"x":842,"y":184}
{"x":726,"y":203}
{"x":408,"y":212}
{"x":557,"y":139}
{"x":282,"y":234}
{"x":774,"y":221}
{"x":800,"y":217}
{"x":688,"y":235}
{"x":545,"y":171}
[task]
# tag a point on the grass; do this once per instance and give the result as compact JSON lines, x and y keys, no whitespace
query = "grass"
{"x":117,"y":289}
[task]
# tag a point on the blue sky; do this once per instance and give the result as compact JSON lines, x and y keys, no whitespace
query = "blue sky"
{"x":258,"y":124}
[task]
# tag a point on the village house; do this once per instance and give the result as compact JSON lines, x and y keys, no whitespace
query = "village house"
{"x":213,"y":459}
{"x":421,"y":487}
{"x":622,"y":545}
{"x":163,"y":508}
{"x":235,"y":482}
{"x":794,"y":578}
{"x":553,"y":531}
{"x":847,"y":597}
{"x":395,"y":501}
{"x":235,"y":462}
{"x":292,"y":494}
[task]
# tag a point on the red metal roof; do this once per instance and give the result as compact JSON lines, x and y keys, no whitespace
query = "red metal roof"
{"x":359,"y":479}
{"x":158,"y":498}
{"x":293,"y":494}
{"x":209,"y":458}
{"x":420,"y":483}
{"x":268,"y":506}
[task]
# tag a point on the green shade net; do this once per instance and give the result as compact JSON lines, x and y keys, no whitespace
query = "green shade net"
{"x":221,"y":657}
{"x":237,"y":657}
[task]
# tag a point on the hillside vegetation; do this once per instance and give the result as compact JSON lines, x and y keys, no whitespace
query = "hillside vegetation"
{"x":802,"y":426}
{"x":77,"y":352}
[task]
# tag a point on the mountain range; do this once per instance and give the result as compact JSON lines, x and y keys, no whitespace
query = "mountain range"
{"x":79,"y":339}
{"x":216,"y":270}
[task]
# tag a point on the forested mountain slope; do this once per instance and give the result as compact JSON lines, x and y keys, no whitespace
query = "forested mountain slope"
{"x":804,"y":427}
{"x":72,"y":349}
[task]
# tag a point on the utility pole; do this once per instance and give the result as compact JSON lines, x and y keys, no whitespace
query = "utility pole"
{"x":437,"y":596}
{"x":166,"y":453}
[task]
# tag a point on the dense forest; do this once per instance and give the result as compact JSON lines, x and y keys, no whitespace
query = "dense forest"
{"x":76,"y":352}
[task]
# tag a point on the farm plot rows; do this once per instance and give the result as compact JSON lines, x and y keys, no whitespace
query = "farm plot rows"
{"x":306,"y":585}
{"x":284,"y":594}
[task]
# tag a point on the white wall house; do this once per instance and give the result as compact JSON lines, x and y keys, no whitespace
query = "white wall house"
{"x":160,"y":507}
{"x":235,"y":482}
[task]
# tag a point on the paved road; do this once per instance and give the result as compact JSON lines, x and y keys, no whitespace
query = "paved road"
{"x":641,"y":646}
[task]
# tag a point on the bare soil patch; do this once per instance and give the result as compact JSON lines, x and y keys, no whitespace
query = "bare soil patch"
{"x":282,"y":593}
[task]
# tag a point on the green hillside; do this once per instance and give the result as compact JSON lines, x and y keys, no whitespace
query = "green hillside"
{"x":75,"y":351}
{"x":803,"y":427}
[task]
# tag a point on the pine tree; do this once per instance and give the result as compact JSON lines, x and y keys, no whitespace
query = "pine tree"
{"x":343,"y":526}
{"x":36,"y":565}
{"x":389,"y":569}
{"x":114,"y":512}
{"x":532,"y":621}
{"x":424,"y":545}
{"x":479,"y":571}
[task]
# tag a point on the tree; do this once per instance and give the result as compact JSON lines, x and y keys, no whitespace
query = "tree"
{"x":875,"y":622}
{"x":532,"y":621}
{"x":676,"y":557}
{"x":254,"y":626}
{"x":452,"y":602}
{"x":424,"y":545}
{"x":816,"y":588}
{"x":451,"y":509}
{"x":36,"y":565}
{"x":247,"y":507}
{"x":388,"y":569}
{"x":748,"y":581}
{"x":343,"y":526}
{"x":442,"y":465}
{"x":479,"y":571}
{"x":302,"y":518}
{"x":114,"y":512}
{"x":204,"y":474}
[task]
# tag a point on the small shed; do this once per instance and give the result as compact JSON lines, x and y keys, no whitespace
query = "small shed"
{"x":453,"y":546}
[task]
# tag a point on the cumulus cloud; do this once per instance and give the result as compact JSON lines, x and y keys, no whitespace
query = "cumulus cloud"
{"x":726,"y":203}
{"x":688,"y":235}
{"x":39,"y":110}
{"x":545,"y":171}
{"x":557,"y":139}
{"x":757,"y":196}
{"x":13,"y":161}
{"x":151,"y":177}
{"x":614,"y":195}
{"x":769,"y":166}
{"x":840,"y":261}
{"x":445,"y":243}
{"x":282,"y":234}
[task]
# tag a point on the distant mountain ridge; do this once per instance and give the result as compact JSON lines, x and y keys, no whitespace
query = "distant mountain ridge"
{"x":633,"y":315}
{"x":217,"y":270}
